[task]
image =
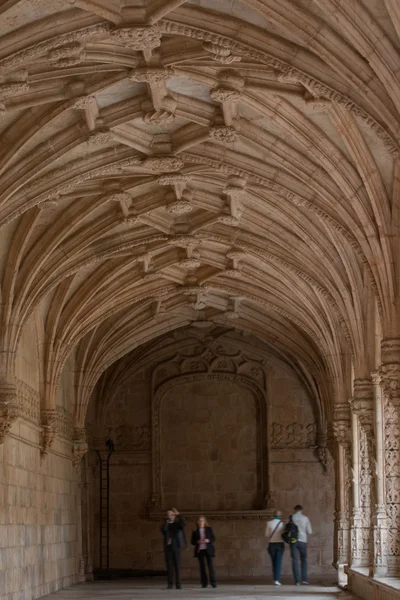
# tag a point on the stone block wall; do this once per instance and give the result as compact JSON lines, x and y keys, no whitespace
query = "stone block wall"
{"x":39,"y":517}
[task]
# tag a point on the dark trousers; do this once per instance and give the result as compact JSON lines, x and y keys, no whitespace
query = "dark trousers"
{"x":204,"y":558}
{"x":173,"y":560}
{"x":276,"y":550}
{"x":299,"y":550}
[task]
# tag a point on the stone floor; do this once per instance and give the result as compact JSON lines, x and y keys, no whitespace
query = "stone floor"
{"x":155,"y":590}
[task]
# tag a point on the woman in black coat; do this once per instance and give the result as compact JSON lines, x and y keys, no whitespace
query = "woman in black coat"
{"x":203,"y":539}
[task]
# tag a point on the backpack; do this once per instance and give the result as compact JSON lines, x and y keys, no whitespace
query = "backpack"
{"x":290,"y":534}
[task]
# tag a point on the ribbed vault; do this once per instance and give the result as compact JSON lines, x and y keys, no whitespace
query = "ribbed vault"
{"x":165,"y":164}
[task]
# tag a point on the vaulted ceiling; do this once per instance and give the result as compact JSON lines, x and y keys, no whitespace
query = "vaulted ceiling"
{"x":207,"y":162}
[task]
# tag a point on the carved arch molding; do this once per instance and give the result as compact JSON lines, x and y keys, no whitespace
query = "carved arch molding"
{"x":203,"y":367}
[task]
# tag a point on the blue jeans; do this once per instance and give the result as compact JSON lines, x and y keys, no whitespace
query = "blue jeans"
{"x":299,"y":549}
{"x":276,"y":550}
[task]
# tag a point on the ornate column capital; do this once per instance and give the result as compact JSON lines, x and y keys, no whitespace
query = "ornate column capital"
{"x":79,"y":445}
{"x":390,"y":369}
{"x":342,"y":424}
{"x":362,"y":403}
{"x":8,"y":407}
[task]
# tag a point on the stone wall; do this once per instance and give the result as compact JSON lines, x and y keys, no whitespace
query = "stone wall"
{"x":40,"y":524}
{"x":209,"y":447}
{"x":222,"y":476}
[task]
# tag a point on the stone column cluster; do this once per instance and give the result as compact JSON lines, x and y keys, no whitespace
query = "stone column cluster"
{"x":367,"y":433}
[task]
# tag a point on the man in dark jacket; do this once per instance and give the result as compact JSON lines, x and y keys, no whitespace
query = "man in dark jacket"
{"x":174,"y":540}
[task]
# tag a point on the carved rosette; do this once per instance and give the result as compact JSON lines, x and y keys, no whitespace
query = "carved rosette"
{"x":8,"y":407}
{"x":79,"y":445}
{"x":137,"y":38}
{"x":48,"y":420}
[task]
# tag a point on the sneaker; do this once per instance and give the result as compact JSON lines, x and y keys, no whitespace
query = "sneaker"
{"x":304,"y":583}
{"x":277,"y":583}
{"x":298,"y":583}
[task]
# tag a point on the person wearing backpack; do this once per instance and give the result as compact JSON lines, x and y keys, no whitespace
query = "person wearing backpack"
{"x":298,"y":549}
{"x":276,"y":548}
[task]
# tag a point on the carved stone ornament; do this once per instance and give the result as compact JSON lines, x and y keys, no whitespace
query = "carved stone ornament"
{"x":151,"y":75}
{"x":173,"y":179}
{"x":49,"y":423}
{"x":220,"y":53}
{"x":190,"y":263}
{"x":390,"y":369}
{"x":228,"y":220}
{"x":293,"y":435}
{"x":225,"y":94}
{"x":8,"y":90}
{"x":342,"y":424}
{"x":159,"y":117}
{"x":223,"y":134}
{"x":137,"y":38}
{"x":162,"y":164}
{"x":79,"y":446}
{"x":362,"y":402}
{"x":8,"y":407}
{"x":180,"y":207}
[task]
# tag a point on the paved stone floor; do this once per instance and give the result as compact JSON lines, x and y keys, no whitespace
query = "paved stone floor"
{"x":155,"y":590}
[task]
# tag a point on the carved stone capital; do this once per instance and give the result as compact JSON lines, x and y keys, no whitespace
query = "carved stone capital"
{"x":390,"y":370}
{"x":8,"y":407}
{"x":362,"y":403}
{"x":48,"y":421}
{"x":342,"y":424}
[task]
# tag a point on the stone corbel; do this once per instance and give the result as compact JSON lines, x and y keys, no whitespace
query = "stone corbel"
{"x":48,"y":421}
{"x":8,"y":407}
{"x":79,"y":445}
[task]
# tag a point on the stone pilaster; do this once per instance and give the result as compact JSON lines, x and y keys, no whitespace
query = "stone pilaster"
{"x":390,"y":374}
{"x":8,"y":407}
{"x":342,"y":434}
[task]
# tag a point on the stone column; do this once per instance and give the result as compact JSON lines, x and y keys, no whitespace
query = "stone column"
{"x":380,"y":567}
{"x":356,"y":542}
{"x":342,"y":433}
{"x":363,"y":407}
{"x":86,"y":541}
{"x":390,"y":373}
